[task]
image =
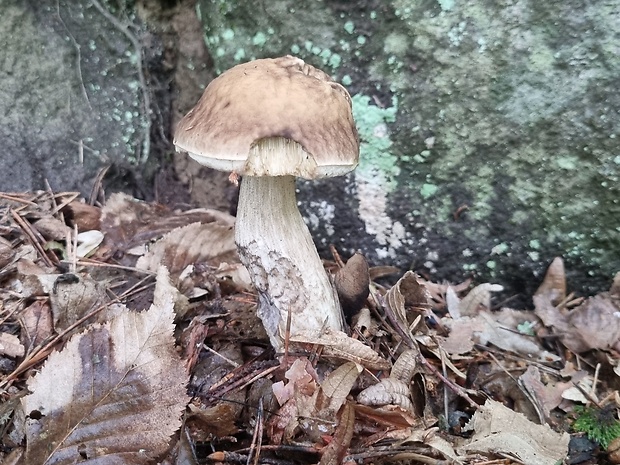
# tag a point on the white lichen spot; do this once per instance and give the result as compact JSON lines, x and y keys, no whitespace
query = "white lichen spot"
{"x":324,"y":216}
{"x":499,"y":249}
{"x":312,"y":221}
{"x":373,"y":201}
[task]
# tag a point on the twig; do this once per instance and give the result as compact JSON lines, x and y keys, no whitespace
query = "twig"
{"x":257,"y":437}
{"x":25,"y":226}
{"x":13,"y":198}
{"x":234,"y":457}
{"x":226,"y":359}
{"x":97,"y":189}
{"x":95,"y":263}
{"x":64,"y":203}
{"x":78,"y":53}
{"x":146,"y":99}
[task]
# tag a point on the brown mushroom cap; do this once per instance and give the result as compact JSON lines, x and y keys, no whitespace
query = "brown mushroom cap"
{"x":265,"y":100}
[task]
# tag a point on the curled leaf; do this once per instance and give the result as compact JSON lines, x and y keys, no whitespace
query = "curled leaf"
{"x":338,"y":345}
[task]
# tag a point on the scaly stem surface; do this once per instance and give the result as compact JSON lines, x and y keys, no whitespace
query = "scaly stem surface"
{"x":276,"y":247}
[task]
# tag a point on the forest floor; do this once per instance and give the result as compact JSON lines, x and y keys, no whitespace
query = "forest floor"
{"x":128,"y":334}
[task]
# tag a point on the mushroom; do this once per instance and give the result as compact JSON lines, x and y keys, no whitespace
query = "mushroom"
{"x":269,"y":121}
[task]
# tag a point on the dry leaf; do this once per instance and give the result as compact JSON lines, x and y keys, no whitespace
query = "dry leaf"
{"x":52,"y":228}
{"x":479,"y":295}
{"x":127,"y":222}
{"x":336,"y":387}
{"x":430,"y":438}
{"x":392,"y":416}
{"x":498,"y":429}
{"x":453,"y":303}
{"x":595,"y":324}
{"x":405,"y":365}
{"x":336,"y":450}
{"x":73,"y":296}
{"x":338,"y":345}
{"x":114,"y":394}
{"x":299,"y":380}
{"x":497,"y":328}
{"x":216,"y":405}
{"x":460,"y":340}
{"x":212,"y":243}
{"x":10,"y":346}
{"x":554,"y":283}
{"x":36,"y":320}
{"x":407,"y":294}
{"x":388,"y":391}
{"x":547,"y":396}
{"x":7,"y":252}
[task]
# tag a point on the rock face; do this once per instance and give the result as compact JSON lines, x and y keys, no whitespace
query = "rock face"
{"x":71,"y":95}
{"x":489,"y":131}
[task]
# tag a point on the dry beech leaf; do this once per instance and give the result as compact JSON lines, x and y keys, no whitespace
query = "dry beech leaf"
{"x":7,"y":252}
{"x":547,"y":396}
{"x":479,"y":295}
{"x":73,"y":296}
{"x":431,"y":438}
{"x":211,"y":242}
{"x":36,"y":319}
{"x":554,"y":283}
{"x":460,"y":340}
{"x":501,"y":430}
{"x":389,"y":391}
{"x":453,"y":303}
{"x":127,"y":222}
{"x":336,"y":387}
{"x":299,"y":380}
{"x":114,"y":394}
{"x":408,"y":292}
{"x":217,"y":417}
{"x":315,"y":414}
{"x":406,"y":365}
{"x":595,"y":324}
{"x":338,"y":345}
{"x":335,"y":451}
{"x":10,"y":345}
{"x":392,"y":416}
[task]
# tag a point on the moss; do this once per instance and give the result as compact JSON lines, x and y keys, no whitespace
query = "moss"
{"x":598,"y":424}
{"x":522,"y":115}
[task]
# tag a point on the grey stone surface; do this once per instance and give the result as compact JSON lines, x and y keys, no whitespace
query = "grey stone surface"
{"x":71,"y":99}
{"x":490,"y":129}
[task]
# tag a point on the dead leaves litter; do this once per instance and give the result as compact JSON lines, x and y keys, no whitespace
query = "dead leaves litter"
{"x":126,"y":372}
{"x":421,"y":358}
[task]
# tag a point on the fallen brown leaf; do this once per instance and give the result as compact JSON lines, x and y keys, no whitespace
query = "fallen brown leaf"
{"x":114,"y":394}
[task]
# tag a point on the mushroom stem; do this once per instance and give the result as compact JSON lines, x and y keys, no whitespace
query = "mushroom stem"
{"x":276,"y":247}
